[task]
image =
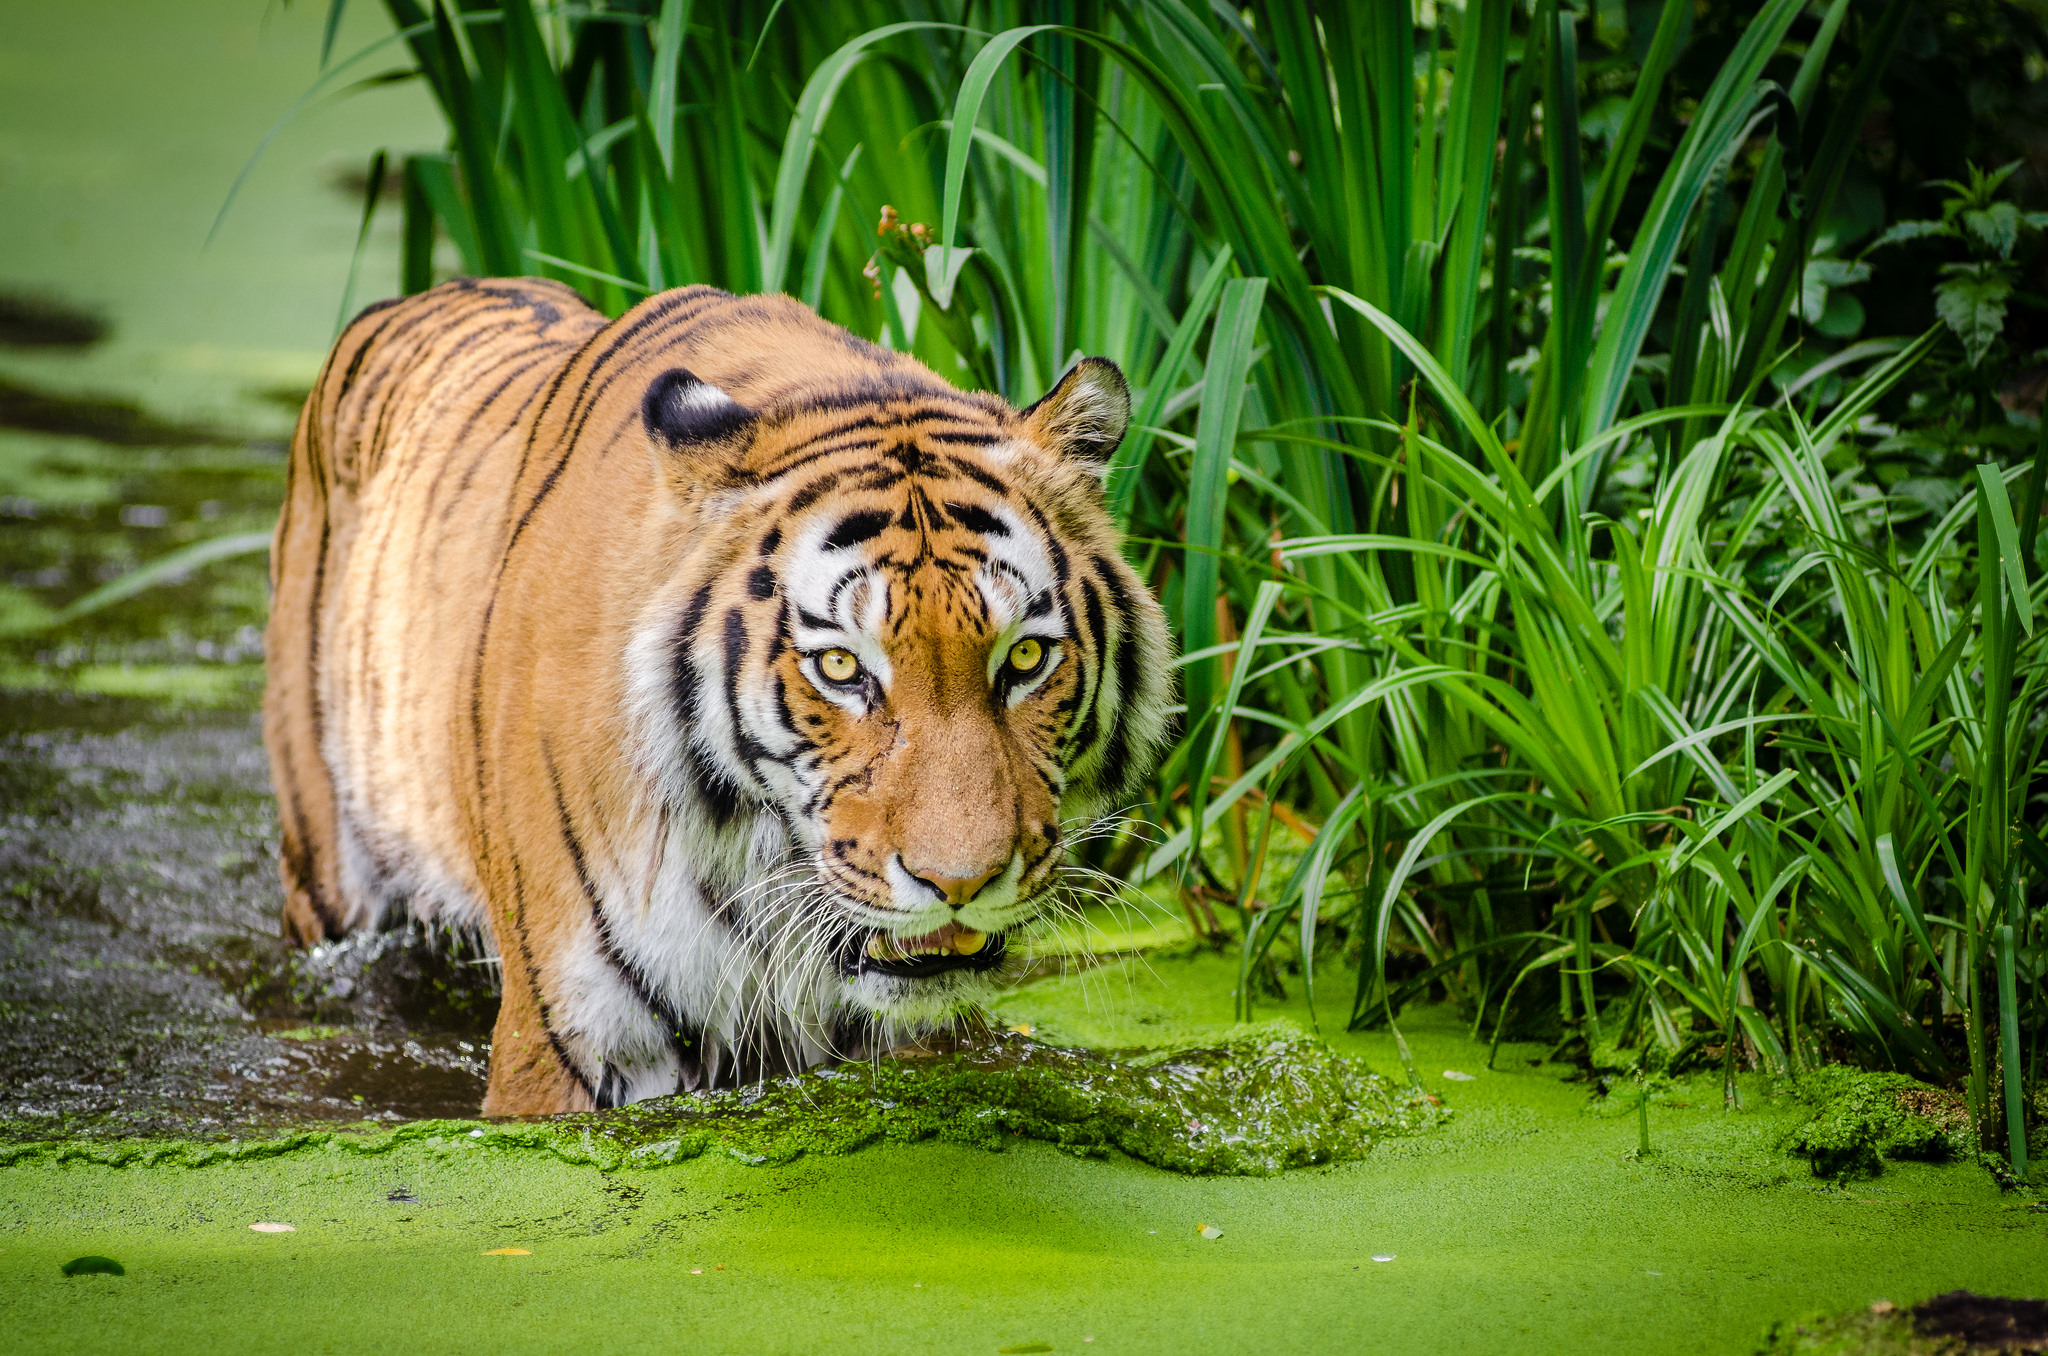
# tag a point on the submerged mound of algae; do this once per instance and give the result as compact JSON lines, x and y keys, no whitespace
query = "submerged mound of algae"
{"x":1256,"y":1101}
{"x":1862,"y":1119}
{"x":1957,"y":1323}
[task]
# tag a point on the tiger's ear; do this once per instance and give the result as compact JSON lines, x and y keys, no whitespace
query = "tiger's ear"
{"x":1084,"y":415}
{"x":682,"y":411}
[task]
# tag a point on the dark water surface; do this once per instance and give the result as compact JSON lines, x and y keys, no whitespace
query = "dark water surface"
{"x":143,"y":985}
{"x":148,"y":382}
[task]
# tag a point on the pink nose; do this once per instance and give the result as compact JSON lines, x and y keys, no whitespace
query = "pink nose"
{"x":959,"y":889}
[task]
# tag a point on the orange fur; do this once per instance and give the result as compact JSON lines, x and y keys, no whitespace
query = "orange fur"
{"x":535,"y":665}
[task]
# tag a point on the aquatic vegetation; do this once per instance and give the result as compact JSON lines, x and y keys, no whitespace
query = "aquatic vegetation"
{"x":1951,"y":1324}
{"x":1258,"y":1100}
{"x":1864,"y":1118}
{"x":1532,"y":536}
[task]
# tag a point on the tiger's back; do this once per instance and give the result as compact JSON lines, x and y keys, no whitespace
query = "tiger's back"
{"x":551,"y":595}
{"x":403,"y":467}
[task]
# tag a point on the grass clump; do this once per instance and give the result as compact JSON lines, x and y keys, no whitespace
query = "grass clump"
{"x":1950,"y":1324}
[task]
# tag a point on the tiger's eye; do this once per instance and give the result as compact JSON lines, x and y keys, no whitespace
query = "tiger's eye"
{"x":1025,"y":655}
{"x":838,"y":666}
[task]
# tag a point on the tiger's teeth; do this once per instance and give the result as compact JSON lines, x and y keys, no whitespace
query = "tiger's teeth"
{"x":967,"y":943}
{"x":878,"y":948}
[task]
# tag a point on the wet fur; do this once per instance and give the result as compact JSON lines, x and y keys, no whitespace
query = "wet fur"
{"x":545,"y":591}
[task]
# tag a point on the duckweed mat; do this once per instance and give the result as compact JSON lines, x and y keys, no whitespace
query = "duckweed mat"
{"x":1527,"y":1222}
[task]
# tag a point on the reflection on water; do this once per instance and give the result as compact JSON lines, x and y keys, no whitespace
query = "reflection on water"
{"x":143,"y":985}
{"x":143,"y":988}
{"x":148,"y":383}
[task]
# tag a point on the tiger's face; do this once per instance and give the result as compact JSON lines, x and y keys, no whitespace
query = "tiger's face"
{"x":917,"y":655}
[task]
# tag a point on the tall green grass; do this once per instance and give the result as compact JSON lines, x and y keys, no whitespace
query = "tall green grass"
{"x":1459,"y":463}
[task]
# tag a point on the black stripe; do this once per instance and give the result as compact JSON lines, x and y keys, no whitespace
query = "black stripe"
{"x":1116,"y":752}
{"x":857,"y":528}
{"x":749,"y":748}
{"x":977,"y":519}
{"x":540,"y":1001}
{"x":1091,"y":604}
{"x":684,"y":1037}
{"x":812,"y":493}
{"x":975,"y":473}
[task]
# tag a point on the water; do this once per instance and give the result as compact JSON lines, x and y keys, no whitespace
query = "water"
{"x":148,"y":382}
{"x":143,"y":985}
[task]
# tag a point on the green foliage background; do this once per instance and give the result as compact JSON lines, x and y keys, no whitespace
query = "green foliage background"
{"x":1588,"y":453}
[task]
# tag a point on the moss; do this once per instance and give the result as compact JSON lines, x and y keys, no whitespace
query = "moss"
{"x":1862,"y":1119}
{"x":1957,"y":1323}
{"x":1259,"y":1100}
{"x":1882,"y":1330}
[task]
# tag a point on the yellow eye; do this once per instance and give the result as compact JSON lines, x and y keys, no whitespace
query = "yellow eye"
{"x":838,"y":666}
{"x":1026,"y":656}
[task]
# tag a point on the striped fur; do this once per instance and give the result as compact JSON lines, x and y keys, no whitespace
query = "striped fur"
{"x":551,"y":600}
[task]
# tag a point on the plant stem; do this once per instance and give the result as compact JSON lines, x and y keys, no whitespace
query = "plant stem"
{"x":2009,"y":1049}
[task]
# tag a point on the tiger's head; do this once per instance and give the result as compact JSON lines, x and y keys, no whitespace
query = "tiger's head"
{"x":903,"y":652}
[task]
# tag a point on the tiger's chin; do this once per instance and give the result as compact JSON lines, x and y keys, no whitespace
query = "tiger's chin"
{"x":917,"y":983}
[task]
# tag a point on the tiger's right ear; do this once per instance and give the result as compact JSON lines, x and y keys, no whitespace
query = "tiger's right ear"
{"x":682,"y":411}
{"x":1084,"y":415}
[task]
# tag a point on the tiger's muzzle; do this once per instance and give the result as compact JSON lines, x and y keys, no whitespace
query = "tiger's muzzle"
{"x":949,"y":948}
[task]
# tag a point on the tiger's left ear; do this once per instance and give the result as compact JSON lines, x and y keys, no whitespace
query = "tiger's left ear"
{"x":1084,"y":415}
{"x":682,"y":411}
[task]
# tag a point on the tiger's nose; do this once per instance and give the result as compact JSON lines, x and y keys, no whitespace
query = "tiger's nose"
{"x":957,"y":890}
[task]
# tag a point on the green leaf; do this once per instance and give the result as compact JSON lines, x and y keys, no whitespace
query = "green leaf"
{"x":960,"y":138}
{"x":335,"y":10}
{"x":1823,"y":275}
{"x":1991,"y":486}
{"x":821,"y":236}
{"x":661,"y":96}
{"x":802,"y":139}
{"x":1901,"y":231}
{"x":1129,"y":463}
{"x":1998,"y":226}
{"x":373,"y":190}
{"x":1735,"y":813}
{"x":164,"y":568}
{"x":1895,"y":881}
{"x":1972,"y":304}
{"x":436,"y":177}
{"x":1230,"y":355}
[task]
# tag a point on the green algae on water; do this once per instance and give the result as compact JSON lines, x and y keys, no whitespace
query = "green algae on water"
{"x":1261,"y":1099}
{"x":1864,"y":1118}
{"x":1258,"y":1100}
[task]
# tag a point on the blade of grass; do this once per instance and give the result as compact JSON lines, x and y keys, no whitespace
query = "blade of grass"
{"x":1129,"y":463}
{"x":1230,"y":348}
{"x":373,"y":190}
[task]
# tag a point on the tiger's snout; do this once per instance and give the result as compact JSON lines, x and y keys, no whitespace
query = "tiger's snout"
{"x":970,"y":838}
{"x":954,"y":890}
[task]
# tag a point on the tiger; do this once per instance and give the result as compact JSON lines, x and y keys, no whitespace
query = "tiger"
{"x":735,"y":680}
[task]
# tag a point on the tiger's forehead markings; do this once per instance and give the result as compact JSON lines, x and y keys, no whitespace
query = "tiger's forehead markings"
{"x":874,"y":568}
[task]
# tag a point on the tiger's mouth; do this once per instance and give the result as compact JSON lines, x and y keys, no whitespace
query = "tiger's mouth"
{"x":951,"y":947}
